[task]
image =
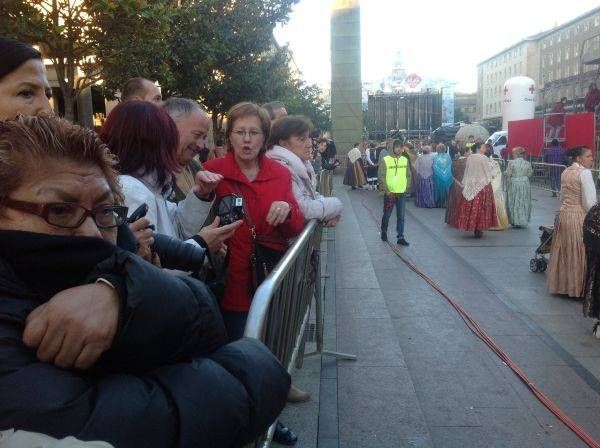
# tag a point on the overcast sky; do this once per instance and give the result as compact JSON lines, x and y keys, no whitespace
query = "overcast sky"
{"x":437,"y":39}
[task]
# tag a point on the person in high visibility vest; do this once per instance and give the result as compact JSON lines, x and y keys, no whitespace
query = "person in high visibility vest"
{"x":394,"y":179}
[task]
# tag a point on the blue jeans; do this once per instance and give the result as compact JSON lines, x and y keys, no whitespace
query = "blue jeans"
{"x":389,"y":201}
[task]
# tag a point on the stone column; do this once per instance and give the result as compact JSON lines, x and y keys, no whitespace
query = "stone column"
{"x":85,"y":110}
{"x":346,"y":81}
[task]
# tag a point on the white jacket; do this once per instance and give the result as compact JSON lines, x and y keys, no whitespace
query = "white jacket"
{"x":181,"y":221}
{"x":304,"y":186}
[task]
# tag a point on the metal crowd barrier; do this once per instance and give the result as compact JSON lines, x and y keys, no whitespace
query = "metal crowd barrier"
{"x":281,"y":306}
{"x":546,"y":176}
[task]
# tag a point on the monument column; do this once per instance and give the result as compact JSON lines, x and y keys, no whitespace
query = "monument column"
{"x":346,"y":81}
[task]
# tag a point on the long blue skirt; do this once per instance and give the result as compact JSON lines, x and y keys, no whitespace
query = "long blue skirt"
{"x":424,"y":190}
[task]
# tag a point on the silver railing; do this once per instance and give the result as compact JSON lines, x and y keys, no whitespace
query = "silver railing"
{"x":546,"y":176}
{"x":281,"y":306}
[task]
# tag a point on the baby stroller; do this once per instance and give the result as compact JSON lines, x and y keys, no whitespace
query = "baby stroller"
{"x":539,"y":262}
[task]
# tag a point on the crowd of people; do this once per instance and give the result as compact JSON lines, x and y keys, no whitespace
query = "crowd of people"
{"x":106,"y":330}
{"x":477,"y":193}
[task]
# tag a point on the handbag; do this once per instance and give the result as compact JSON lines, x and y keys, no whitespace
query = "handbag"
{"x":263,"y":258}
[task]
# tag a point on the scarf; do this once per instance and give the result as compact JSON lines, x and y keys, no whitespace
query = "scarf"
{"x":424,"y":165}
{"x":478,"y":174}
{"x":354,"y":155}
{"x":442,"y":166}
{"x":48,"y":264}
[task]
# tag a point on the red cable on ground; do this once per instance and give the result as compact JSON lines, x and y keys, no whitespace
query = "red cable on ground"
{"x":476,"y":328}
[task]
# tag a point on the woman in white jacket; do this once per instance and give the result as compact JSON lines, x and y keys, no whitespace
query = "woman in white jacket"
{"x":291,"y":146}
{"x":145,"y":139}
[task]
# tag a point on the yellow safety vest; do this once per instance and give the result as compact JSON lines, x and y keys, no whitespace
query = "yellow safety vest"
{"x":395,"y":176}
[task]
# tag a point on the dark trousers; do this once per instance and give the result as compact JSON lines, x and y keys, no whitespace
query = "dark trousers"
{"x":235,"y":323}
{"x":389,"y":202}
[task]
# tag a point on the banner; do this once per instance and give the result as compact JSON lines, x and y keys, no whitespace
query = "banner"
{"x":528,"y":134}
{"x":447,"y":106}
{"x":580,"y":130}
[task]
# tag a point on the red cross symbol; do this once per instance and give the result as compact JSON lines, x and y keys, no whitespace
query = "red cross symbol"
{"x":531,"y":89}
{"x":505,"y":90}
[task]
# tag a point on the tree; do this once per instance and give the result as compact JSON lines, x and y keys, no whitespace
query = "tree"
{"x":91,"y":40}
{"x":224,"y":52}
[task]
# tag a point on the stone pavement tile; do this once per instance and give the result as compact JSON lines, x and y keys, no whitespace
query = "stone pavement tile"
{"x":558,"y":432}
{"x":373,"y":341}
{"x":544,"y":304}
{"x":528,"y":351}
{"x":561,"y":384}
{"x":328,"y":411}
{"x":413,"y":303}
{"x":592,"y":364}
{"x":355,"y":276}
{"x":303,"y":418}
{"x":325,"y":443}
{"x":378,"y":407}
{"x":579,"y":345}
{"x":443,"y":400}
{"x":362,"y":303}
{"x":458,"y":437}
{"x":503,"y":321}
{"x":561,"y":324}
{"x":512,"y":428}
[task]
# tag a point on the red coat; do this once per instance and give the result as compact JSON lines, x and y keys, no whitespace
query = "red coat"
{"x":273,"y":183}
{"x":592,"y":99}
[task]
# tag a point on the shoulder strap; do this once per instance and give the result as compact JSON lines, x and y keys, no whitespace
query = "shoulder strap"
{"x":250,"y":222}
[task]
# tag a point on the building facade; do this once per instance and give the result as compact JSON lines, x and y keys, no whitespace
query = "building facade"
{"x":521,"y":59}
{"x":567,"y":55}
{"x":562,"y":61}
{"x":465,"y":107}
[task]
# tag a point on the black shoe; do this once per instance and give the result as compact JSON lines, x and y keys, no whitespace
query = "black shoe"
{"x":353,"y":188}
{"x":402,"y":242}
{"x":554,"y":194}
{"x":478,"y":233}
{"x":383,"y":236}
{"x":284,"y":435}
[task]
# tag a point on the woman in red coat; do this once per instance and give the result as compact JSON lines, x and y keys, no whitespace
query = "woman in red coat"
{"x":266,"y":187}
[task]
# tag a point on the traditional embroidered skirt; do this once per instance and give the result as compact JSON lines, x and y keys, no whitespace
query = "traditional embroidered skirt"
{"x":424,"y":192}
{"x":355,"y":175}
{"x":477,"y":214}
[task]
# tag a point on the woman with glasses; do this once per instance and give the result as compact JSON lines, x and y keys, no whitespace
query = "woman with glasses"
{"x":145,"y":140}
{"x":272,"y":215}
{"x":96,"y":343}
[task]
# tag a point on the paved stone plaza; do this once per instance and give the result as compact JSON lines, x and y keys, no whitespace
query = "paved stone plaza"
{"x":422,"y":379}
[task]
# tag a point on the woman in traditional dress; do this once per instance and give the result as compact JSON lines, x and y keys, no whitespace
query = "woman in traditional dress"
{"x":566,"y":269}
{"x":499,"y":199}
{"x":372,"y":165}
{"x":458,"y":171}
{"x":442,"y":175}
{"x":591,"y":290}
{"x":425,"y":197}
{"x":355,"y":174}
{"x":519,"y":189}
{"x":476,"y":211}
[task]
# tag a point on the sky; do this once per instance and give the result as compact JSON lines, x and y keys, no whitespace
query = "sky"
{"x":436,"y":39}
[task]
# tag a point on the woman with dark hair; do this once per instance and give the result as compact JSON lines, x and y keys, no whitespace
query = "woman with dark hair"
{"x":272,"y":215}
{"x":145,"y":139}
{"x":458,"y":171}
{"x":566,"y":269}
{"x":24,"y":87}
{"x":291,"y":146}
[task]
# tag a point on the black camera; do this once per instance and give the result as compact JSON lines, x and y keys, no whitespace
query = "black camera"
{"x":173,"y":253}
{"x":231,"y":209}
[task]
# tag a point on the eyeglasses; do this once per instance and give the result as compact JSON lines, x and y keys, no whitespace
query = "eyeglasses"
{"x":242,"y":134}
{"x":70,"y":216}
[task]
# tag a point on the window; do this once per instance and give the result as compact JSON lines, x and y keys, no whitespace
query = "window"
{"x":567,"y":71}
{"x":567,"y":54}
{"x":597,"y":20}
